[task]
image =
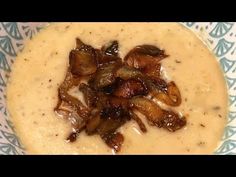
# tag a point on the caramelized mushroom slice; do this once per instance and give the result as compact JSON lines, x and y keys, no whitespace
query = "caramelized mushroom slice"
{"x":159,"y":117}
{"x":130,"y":88}
{"x":67,"y":112}
{"x":116,"y":102}
{"x":146,"y":58}
{"x":127,"y":72}
{"x":109,"y":125}
{"x":80,"y":46}
{"x":76,"y":104}
{"x":147,"y":107}
{"x":103,"y":59}
{"x":139,"y":121}
{"x":104,"y":75}
{"x":144,"y":55}
{"x":171,"y":121}
{"x":82,"y":60}
{"x":72,"y":137}
{"x":112,"y":118}
{"x":111,"y":49}
{"x":82,"y":63}
{"x":76,"y":130}
{"x":89,"y":94}
{"x":120,"y":113}
{"x":69,"y":81}
{"x":63,"y":109}
{"x":114,"y":140}
{"x":108,"y":53}
{"x":93,"y":124}
{"x":109,"y":89}
{"x":153,"y":70}
{"x":169,"y":94}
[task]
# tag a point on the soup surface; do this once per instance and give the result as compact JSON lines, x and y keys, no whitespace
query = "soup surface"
{"x":41,"y":67}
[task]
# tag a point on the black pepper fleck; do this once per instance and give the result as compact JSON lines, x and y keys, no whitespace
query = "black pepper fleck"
{"x":219,"y":115}
{"x":201,"y":143}
{"x":177,"y":61}
{"x":43,"y":114}
{"x":50,"y":80}
{"x":216,"y":108}
{"x":56,"y":134}
{"x":202,"y":125}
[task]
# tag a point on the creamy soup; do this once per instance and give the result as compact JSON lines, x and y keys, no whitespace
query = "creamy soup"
{"x":41,"y":67}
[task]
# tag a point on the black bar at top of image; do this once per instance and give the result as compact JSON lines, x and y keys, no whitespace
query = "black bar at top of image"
{"x":120,"y":11}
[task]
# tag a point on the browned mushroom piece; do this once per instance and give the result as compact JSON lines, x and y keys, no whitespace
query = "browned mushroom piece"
{"x":157,"y":116}
{"x":109,"y":125}
{"x":111,"y":49}
{"x":76,"y":104}
{"x":168,"y":94}
{"x":147,"y":107}
{"x":130,"y":88}
{"x":82,"y":63}
{"x":127,"y":72}
{"x":108,"y":53}
{"x":146,"y":58}
{"x":116,"y":102}
{"x":153,"y":70}
{"x":104,"y":75}
{"x":69,"y":81}
{"x":82,"y":60}
{"x":171,"y":121}
{"x":93,"y":123}
{"x":77,"y":126}
{"x":144,"y":55}
{"x":117,"y":112}
{"x":138,"y":120}
{"x":66,"y":111}
{"x":66,"y":103}
{"x":111,"y":119}
{"x":114,"y":140}
{"x":72,"y":137}
{"x":158,"y":84}
{"x":63,"y":109}
{"x":89,"y":94}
